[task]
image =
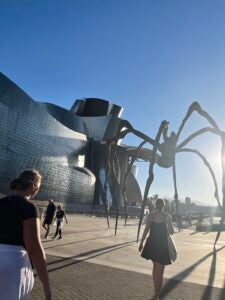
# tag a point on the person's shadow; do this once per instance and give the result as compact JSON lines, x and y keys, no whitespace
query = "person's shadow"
{"x":176,"y":280}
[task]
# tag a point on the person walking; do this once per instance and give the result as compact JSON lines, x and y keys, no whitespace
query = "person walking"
{"x":159,"y":224}
{"x":60,"y":215}
{"x":20,"y":241}
{"x":49,"y":216}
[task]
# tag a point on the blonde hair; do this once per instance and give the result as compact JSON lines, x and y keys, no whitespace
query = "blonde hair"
{"x":26,"y":179}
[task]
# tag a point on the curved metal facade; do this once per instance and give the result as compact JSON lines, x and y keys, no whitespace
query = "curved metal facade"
{"x":64,"y":145}
{"x":32,"y":138}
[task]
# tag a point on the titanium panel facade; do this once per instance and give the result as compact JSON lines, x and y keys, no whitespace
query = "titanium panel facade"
{"x":64,"y":145}
{"x":32,"y":138}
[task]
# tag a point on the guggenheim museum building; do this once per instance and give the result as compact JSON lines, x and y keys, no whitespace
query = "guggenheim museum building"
{"x":65,"y":145}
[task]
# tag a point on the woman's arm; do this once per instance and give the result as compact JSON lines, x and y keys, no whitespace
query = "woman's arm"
{"x":170,"y":225}
{"x":65,"y":218}
{"x":145,"y":232}
{"x":32,"y":240}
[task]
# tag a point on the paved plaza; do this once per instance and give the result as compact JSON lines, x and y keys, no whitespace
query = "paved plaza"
{"x":90,"y":262}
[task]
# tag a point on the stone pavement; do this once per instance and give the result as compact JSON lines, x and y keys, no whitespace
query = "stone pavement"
{"x":90,"y":262}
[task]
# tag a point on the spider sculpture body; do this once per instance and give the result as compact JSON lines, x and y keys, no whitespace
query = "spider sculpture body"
{"x":162,"y":153}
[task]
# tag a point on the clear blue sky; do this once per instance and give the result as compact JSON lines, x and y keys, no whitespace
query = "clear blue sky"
{"x":153,"y":57}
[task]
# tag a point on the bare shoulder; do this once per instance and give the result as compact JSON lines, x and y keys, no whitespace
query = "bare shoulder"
{"x":167,"y":215}
{"x":152,"y":213}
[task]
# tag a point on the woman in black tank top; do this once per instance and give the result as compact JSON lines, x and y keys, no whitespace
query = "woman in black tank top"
{"x":158,"y":225}
{"x":20,"y":240}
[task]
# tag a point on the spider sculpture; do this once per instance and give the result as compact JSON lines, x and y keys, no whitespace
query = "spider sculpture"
{"x":162,"y":153}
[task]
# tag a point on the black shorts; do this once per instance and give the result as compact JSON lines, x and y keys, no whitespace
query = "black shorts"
{"x":48,"y":220}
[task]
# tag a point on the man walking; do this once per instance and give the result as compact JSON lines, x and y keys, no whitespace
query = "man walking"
{"x":49,"y":216}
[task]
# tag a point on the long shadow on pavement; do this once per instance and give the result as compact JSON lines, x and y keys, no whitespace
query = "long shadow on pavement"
{"x":194,"y":232}
{"x":83,"y":231}
{"x":222,"y":294}
{"x":208,"y":291}
{"x":91,"y":254}
{"x":72,"y":232}
{"x":80,"y":241}
{"x":97,"y":229}
{"x":182,"y":275}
